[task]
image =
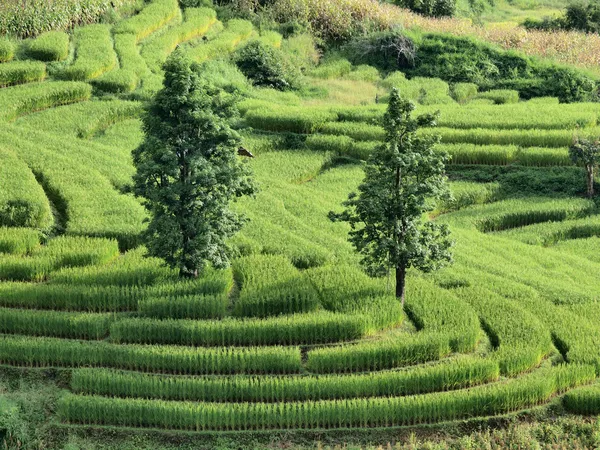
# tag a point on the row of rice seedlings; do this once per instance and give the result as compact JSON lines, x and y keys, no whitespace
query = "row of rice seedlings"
{"x":19,"y":100}
{"x":514,"y":213}
{"x":67,"y":297}
{"x":88,"y":199}
{"x":131,"y":269}
{"x":356,"y":130}
{"x":341,"y":145}
{"x":19,"y":72}
{"x":485,"y":400}
{"x":197,"y":22}
{"x":55,"y":324}
{"x":379,"y":355}
{"x":458,"y":373}
{"x":298,"y":329}
{"x":522,"y":138}
{"x":236,"y":32}
{"x":271,"y":285}
{"x":210,"y":282}
{"x":94,"y":53}
{"x":23,"y":202}
{"x":64,"y":251}
{"x":50,"y":352}
{"x":83,"y":120}
{"x":289,"y":119}
{"x":186,"y":307}
{"x":550,"y":233}
{"x":584,"y":400}
{"x":49,"y":46}
{"x":19,"y":241}
{"x":500,"y":96}
{"x":436,"y":311}
{"x":466,"y":194}
{"x":7,"y":50}
{"x":150,"y":19}
{"x":582,"y":247}
{"x":520,"y":340}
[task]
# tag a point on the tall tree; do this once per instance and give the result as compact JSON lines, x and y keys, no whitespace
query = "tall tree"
{"x":586,"y":153}
{"x":403,"y":178}
{"x":188,"y":171}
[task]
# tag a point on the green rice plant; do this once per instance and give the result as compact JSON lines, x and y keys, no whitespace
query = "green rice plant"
{"x":466,"y":193}
{"x":522,"y":138}
{"x":426,"y":91}
{"x":493,"y":399}
{"x":19,"y":241}
{"x":85,"y":197}
{"x":49,"y":46}
{"x":186,"y":307}
{"x":544,"y":101}
{"x":379,"y":355}
{"x":372,"y":114}
{"x":132,"y":67}
{"x":196,"y":24}
{"x":519,"y":339}
{"x":271,"y":285}
{"x":341,"y":145}
{"x":64,"y":251}
{"x":19,"y":100}
{"x":582,"y":247}
{"x":363,"y":73}
{"x":289,"y":119}
{"x":584,"y":400}
{"x":19,"y":72}
{"x":331,"y":67}
{"x":463,"y":92}
{"x":23,"y":202}
{"x":355,"y":130}
{"x":94,"y":53}
{"x":236,"y":32}
{"x":271,"y":38}
{"x":516,"y":213}
{"x":436,"y":311}
{"x":153,"y":17}
{"x":45,"y":352}
{"x":83,"y":120}
{"x":543,"y":157}
{"x":500,"y":96}
{"x":457,"y":373}
{"x":497,"y":155}
{"x":7,"y":50}
{"x":551,"y":233}
{"x":210,"y":282}
{"x":55,"y":324}
{"x":297,"y":329}
{"x":67,"y":297}
{"x":131,"y":269}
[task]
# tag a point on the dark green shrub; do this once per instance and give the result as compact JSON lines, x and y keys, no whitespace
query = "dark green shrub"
{"x":266,"y":66}
{"x":431,"y":8}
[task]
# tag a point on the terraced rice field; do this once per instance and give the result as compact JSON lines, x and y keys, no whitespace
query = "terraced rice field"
{"x":294,"y":335}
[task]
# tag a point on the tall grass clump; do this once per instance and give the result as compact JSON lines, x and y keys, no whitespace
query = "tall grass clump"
{"x":45,"y":352}
{"x":23,"y":202}
{"x":19,"y":72}
{"x":271,"y":285}
{"x":19,"y":241}
{"x":500,"y":96}
{"x":306,"y":329}
{"x":94,"y":54}
{"x":454,"y":374}
{"x":18,"y":100}
{"x":486,"y":400}
{"x":7,"y":50}
{"x":153,"y":17}
{"x":49,"y":46}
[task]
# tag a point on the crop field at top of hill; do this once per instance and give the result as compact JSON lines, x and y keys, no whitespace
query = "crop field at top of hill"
{"x":293,"y":344}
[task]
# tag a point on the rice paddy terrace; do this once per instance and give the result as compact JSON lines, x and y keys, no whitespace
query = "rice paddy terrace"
{"x":294,"y":335}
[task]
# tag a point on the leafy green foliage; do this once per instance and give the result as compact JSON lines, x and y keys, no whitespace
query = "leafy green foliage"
{"x":266,"y":66}
{"x":431,"y":8}
{"x":49,"y":46}
{"x":401,"y":178}
{"x":586,"y":153}
{"x":188,"y":178}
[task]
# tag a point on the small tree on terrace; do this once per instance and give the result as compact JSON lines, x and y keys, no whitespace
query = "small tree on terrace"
{"x":586,"y":153}
{"x":187,"y":170}
{"x":403,"y":177}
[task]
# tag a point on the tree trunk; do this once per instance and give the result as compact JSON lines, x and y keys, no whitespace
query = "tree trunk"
{"x":401,"y":283}
{"x":590,"y":181}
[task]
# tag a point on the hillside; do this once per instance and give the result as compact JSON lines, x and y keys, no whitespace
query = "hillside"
{"x":104,"y":347}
